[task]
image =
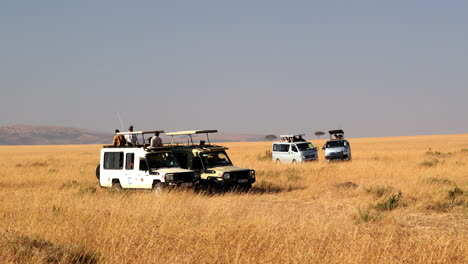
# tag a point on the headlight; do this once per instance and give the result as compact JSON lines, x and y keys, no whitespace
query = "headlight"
{"x":169,"y":177}
{"x":227,"y":176}
{"x":252,"y":173}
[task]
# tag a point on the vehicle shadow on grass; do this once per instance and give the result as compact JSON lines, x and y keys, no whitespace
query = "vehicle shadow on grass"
{"x":255,"y":190}
{"x":272,"y":189}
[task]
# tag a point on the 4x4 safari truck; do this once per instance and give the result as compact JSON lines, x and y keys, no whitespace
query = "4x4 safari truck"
{"x":142,"y":167}
{"x":211,"y":163}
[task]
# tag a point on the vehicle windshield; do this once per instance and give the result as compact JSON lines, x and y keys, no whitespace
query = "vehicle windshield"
{"x":305,"y":146}
{"x":336,"y":144}
{"x":161,"y":160}
{"x":215,"y":159}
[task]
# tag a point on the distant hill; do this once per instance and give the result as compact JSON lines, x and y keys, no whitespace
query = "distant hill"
{"x":56,"y":135}
{"x":50,"y":135}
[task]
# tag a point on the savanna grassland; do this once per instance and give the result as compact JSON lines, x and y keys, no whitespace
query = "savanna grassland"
{"x":401,"y":200}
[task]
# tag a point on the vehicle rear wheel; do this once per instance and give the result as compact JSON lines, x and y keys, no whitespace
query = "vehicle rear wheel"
{"x":116,"y":186}
{"x":278,"y":161}
{"x":158,"y":188}
{"x":98,"y":171}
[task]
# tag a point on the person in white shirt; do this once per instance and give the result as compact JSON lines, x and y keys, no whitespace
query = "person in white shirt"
{"x":156,"y":141}
{"x":131,"y":139}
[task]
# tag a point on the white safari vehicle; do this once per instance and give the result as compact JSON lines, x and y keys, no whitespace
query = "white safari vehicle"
{"x":211,"y":163}
{"x":142,"y":167}
{"x":337,"y":148}
{"x":292,"y":149}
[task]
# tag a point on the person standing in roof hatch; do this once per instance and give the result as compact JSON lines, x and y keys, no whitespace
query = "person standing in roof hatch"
{"x":156,"y":141}
{"x":131,"y":138}
{"x":119,"y":140}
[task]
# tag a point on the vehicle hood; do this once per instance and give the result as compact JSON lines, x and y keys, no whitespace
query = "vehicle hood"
{"x":307,"y":152}
{"x":336,"y":149}
{"x":172,"y":170}
{"x":223,"y":169}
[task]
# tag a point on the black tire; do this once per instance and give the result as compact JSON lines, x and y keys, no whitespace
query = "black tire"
{"x":278,"y":161}
{"x":98,"y":172}
{"x":245,"y":187}
{"x":294,"y":161}
{"x":158,"y":188}
{"x":213,"y":187}
{"x":116,"y":186}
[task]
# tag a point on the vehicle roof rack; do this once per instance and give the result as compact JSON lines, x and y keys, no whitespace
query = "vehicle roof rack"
{"x":142,"y":133}
{"x":292,"y":135}
{"x":336,"y":134}
{"x":189,"y":133}
{"x":338,"y":131}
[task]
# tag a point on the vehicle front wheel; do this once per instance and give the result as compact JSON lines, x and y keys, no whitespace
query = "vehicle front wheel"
{"x":245,"y":187}
{"x":158,"y":188}
{"x":278,"y":161}
{"x":294,"y":161}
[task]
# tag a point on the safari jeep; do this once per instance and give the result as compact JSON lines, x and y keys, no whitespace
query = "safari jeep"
{"x":142,"y":167}
{"x":211,"y":162}
{"x":293,"y":149}
{"x":337,"y":148}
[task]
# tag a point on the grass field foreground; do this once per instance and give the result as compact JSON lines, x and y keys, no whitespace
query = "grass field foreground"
{"x":401,"y":200}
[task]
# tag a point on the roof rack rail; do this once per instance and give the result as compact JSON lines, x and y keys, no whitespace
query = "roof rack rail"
{"x":189,"y":133}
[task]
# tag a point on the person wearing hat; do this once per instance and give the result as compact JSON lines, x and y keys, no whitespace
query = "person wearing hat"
{"x":131,"y":138}
{"x":119,"y":140}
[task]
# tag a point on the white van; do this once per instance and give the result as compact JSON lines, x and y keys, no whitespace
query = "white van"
{"x":337,"y":148}
{"x":292,"y":149}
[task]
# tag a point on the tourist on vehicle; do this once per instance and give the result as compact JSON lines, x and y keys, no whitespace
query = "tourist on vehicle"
{"x":119,"y":140}
{"x":131,"y":138}
{"x":156,"y":141}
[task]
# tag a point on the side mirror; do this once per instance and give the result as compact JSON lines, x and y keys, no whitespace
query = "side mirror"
{"x":323,"y":147}
{"x":316,"y":148}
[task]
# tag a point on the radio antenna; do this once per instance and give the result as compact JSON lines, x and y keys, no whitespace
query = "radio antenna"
{"x":121,"y":123}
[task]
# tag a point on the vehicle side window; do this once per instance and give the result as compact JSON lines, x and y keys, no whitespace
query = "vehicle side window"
{"x":113,"y":160}
{"x":129,"y":161}
{"x":283,"y":147}
{"x":143,"y":165}
{"x":293,"y":148}
{"x":275,"y":147}
{"x":182,"y":159}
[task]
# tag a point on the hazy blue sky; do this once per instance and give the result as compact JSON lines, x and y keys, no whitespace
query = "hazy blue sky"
{"x":372,"y":68}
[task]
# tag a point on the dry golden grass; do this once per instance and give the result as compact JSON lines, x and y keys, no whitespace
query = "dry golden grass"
{"x":401,"y":200}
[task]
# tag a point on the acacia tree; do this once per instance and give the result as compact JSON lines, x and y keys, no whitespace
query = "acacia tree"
{"x":319,"y":134}
{"x":270,"y":137}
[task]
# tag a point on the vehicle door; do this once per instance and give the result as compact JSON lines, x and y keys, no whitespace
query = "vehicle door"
{"x":112,"y":168}
{"x":133,"y":176}
{"x":294,"y":153}
{"x":281,"y":151}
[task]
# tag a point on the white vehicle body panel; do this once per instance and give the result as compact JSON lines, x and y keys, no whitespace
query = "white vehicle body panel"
{"x":123,"y":164}
{"x":287,"y":152}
